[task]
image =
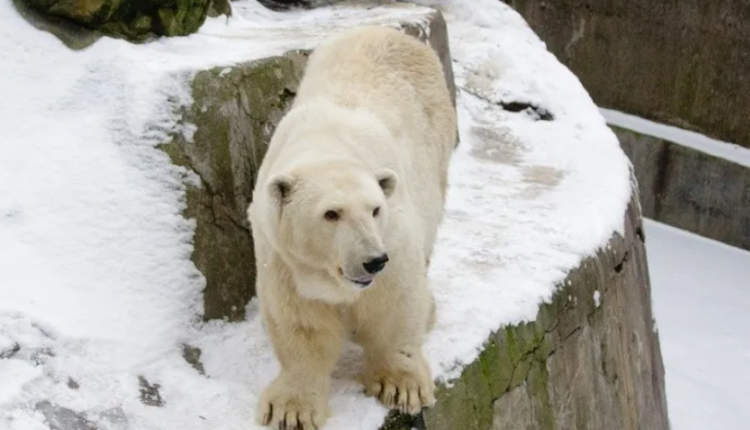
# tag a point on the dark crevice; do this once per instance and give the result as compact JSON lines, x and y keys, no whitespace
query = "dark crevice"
{"x":621,"y":264}
{"x":532,"y":352}
{"x":640,"y":233}
{"x":238,"y":224}
{"x":218,"y":218}
{"x":572,"y":333}
{"x":210,"y":208}
{"x":537,"y":113}
{"x":554,"y":325}
{"x":212,"y":195}
{"x":396,"y":420}
{"x":286,"y":5}
{"x":286,"y":95}
{"x":241,"y":105}
{"x":517,"y":365}
{"x":282,"y":5}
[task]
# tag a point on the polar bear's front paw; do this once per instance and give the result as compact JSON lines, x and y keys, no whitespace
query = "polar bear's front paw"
{"x":284,"y":408}
{"x":407,"y":390}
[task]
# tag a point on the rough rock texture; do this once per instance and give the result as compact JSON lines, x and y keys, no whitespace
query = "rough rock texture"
{"x":686,"y":63}
{"x":72,"y":35}
{"x":220,"y":7}
{"x":235,"y":112}
{"x":591,"y":360}
{"x":689,"y":189}
{"x":132,"y":19}
{"x":226,"y":133}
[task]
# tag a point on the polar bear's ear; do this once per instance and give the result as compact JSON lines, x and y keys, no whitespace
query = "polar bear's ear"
{"x":280,"y":187}
{"x":387,"y":179}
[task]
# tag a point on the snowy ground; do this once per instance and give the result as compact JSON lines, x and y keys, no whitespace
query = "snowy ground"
{"x":96,"y":283}
{"x":701,"y":294}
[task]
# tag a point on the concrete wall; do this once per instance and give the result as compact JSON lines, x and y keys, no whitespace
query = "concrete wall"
{"x":681,"y":62}
{"x":689,"y":189}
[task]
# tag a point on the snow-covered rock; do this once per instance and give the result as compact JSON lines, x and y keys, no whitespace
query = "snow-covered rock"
{"x":121,"y":191}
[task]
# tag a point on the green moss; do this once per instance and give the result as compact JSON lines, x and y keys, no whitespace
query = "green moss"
{"x":493,"y":373}
{"x":168,"y":22}
{"x":136,"y":20}
{"x":142,"y":24}
{"x":234,"y":112}
{"x":516,"y":356}
{"x":537,"y":385}
{"x":506,"y":361}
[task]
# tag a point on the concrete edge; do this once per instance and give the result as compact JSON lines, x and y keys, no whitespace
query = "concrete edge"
{"x":690,"y":189}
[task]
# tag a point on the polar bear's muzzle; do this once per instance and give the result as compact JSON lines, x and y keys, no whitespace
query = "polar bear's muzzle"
{"x":371,"y":267}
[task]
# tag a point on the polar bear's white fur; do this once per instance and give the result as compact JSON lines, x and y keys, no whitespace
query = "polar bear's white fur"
{"x":344,"y":217}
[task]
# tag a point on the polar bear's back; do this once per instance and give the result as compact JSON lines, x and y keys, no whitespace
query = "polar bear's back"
{"x":383,"y":70}
{"x":401,"y":81}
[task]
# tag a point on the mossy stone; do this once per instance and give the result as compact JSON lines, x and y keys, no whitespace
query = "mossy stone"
{"x":135,"y":20}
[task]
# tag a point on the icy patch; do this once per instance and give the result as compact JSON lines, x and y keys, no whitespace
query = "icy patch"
{"x":597,"y":298}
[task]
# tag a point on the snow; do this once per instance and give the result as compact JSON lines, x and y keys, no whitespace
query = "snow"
{"x":701,"y":300}
{"x":96,"y":280}
{"x":690,"y":139}
{"x":14,"y":374}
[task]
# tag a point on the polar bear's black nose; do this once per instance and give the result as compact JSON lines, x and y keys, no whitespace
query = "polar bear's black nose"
{"x":376,"y":264}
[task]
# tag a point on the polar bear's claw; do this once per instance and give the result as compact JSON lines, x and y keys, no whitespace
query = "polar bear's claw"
{"x":406,"y":392}
{"x":290,"y":411}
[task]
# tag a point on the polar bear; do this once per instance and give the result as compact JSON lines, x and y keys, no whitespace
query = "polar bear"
{"x":344,"y":216}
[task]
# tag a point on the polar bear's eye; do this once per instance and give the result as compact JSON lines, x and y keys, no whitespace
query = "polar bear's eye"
{"x":376,"y":212}
{"x":331,"y":215}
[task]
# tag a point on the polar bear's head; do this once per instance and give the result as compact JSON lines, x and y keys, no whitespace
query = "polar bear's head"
{"x":330,"y":220}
